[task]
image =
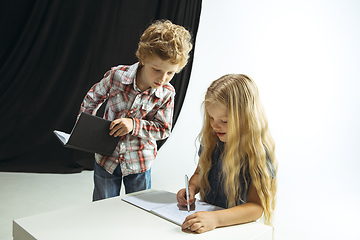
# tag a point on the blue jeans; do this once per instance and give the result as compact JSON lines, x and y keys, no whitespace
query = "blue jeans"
{"x":107,"y":185}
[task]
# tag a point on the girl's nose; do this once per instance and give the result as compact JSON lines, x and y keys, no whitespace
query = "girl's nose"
{"x":215,"y":126}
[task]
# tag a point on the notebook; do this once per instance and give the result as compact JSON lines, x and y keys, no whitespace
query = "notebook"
{"x":90,"y":134}
{"x":164,"y":204}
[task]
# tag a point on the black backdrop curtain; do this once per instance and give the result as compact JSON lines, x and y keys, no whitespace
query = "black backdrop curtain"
{"x":51,"y":53}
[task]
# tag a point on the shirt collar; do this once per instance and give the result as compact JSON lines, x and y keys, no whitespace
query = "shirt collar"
{"x":130,"y":78}
{"x":130,"y":74}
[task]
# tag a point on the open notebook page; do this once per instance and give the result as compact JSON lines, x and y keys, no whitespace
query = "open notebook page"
{"x":64,"y":137}
{"x":151,"y":200}
{"x":177,"y":214}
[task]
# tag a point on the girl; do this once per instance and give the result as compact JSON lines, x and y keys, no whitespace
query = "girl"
{"x":237,"y":166}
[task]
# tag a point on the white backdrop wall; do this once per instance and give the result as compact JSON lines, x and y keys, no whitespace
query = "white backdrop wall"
{"x":305,"y":58}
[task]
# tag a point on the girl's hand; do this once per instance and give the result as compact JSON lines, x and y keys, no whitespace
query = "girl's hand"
{"x":181,"y":197}
{"x":121,"y":126}
{"x":200,"y":222}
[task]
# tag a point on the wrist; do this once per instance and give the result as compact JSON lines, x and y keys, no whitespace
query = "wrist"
{"x":194,"y":188}
{"x":217,"y":219}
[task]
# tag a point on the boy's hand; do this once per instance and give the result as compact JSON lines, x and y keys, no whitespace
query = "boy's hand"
{"x":121,"y":127}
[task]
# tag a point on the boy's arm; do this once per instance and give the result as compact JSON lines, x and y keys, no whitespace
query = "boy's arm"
{"x":158,"y":128}
{"x":97,"y":94}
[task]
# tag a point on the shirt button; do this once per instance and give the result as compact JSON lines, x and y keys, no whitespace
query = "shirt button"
{"x":122,"y":147}
{"x":116,"y":161}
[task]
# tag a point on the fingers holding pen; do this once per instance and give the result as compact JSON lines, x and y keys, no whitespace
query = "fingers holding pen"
{"x":181,"y":197}
{"x":191,"y":195}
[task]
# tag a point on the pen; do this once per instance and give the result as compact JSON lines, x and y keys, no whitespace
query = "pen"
{"x":187,"y":192}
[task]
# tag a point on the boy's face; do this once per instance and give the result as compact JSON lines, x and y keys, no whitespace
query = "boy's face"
{"x":155,"y":73}
{"x":218,"y":119}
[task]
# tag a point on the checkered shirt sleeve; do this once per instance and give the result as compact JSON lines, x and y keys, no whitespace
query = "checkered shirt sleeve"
{"x":151,"y":111}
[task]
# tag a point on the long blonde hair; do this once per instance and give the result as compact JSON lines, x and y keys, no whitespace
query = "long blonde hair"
{"x":248,"y":145}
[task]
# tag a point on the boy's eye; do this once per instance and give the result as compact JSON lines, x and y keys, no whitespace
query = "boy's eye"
{"x":223,"y":121}
{"x":170,"y":73}
{"x":156,"y":70}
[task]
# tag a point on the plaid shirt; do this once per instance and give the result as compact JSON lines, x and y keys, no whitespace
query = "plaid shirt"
{"x":151,"y":111}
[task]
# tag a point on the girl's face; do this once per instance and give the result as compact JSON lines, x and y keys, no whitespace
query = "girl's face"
{"x":218,"y":119}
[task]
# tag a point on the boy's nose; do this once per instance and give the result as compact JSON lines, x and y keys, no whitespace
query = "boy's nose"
{"x":163,"y":78}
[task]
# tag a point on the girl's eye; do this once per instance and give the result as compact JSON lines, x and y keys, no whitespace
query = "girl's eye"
{"x":170,"y":73}
{"x":156,"y":70}
{"x":223,"y":121}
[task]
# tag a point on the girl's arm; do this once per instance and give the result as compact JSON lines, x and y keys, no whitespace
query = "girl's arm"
{"x":205,"y":221}
{"x":193,"y":190}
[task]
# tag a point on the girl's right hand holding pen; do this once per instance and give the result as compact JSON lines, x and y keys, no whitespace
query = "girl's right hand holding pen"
{"x":181,"y":196}
{"x":200,"y":221}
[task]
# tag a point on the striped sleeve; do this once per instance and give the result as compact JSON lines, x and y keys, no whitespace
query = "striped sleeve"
{"x":158,"y":128}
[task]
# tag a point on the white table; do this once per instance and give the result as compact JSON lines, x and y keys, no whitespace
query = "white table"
{"x":115,"y":219}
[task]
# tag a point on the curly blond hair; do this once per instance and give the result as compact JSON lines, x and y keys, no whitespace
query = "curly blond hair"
{"x":166,"y":40}
{"x":248,"y":145}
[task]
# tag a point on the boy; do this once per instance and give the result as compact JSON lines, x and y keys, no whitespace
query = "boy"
{"x":140,"y":106}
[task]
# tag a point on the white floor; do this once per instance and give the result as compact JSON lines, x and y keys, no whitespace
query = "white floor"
{"x":298,"y":216}
{"x":27,"y":194}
